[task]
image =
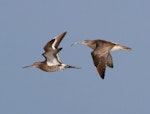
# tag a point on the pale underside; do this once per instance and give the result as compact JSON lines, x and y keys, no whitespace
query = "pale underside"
{"x":52,"y":58}
{"x":51,"y":55}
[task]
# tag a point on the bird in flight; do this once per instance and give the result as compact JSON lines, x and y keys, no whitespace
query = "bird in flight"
{"x":52,"y":62}
{"x":101,"y":53}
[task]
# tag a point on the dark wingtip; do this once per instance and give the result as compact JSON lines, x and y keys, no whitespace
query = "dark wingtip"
{"x":59,"y":49}
{"x":101,"y":74}
{"x":64,"y":33}
{"x":111,"y":66}
{"x":102,"y":77}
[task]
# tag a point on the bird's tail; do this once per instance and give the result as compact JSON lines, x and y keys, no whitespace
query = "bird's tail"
{"x":76,"y":67}
{"x":126,"y":48}
{"x":120,"y":47}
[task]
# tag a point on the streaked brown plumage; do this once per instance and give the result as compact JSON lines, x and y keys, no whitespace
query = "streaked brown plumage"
{"x":52,"y":62}
{"x":101,"y":53}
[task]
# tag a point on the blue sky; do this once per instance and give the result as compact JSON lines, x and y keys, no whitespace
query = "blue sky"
{"x":26,"y":26}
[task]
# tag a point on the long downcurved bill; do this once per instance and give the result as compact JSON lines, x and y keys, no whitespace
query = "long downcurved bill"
{"x":76,"y":43}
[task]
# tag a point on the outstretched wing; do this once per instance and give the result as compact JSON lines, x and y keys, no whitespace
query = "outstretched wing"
{"x":54,"y":43}
{"x":100,"y":58}
{"x":100,"y":62}
{"x":48,"y":46}
{"x":58,"y":39}
{"x":52,"y":50}
{"x":51,"y":57}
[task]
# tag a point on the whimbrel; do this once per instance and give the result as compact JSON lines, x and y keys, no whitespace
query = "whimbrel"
{"x":101,"y":53}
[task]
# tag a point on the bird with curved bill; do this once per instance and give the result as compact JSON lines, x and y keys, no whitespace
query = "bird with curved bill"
{"x":101,"y":53}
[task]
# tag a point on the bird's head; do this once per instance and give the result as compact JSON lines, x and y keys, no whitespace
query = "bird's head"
{"x":90,"y":43}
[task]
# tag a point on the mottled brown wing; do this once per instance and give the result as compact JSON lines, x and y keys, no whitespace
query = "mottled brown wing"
{"x":58,"y":39}
{"x":100,"y":55}
{"x":100,"y":63}
{"x":109,"y":61}
{"x":48,"y":46}
{"x":102,"y":67}
{"x":54,"y":43}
